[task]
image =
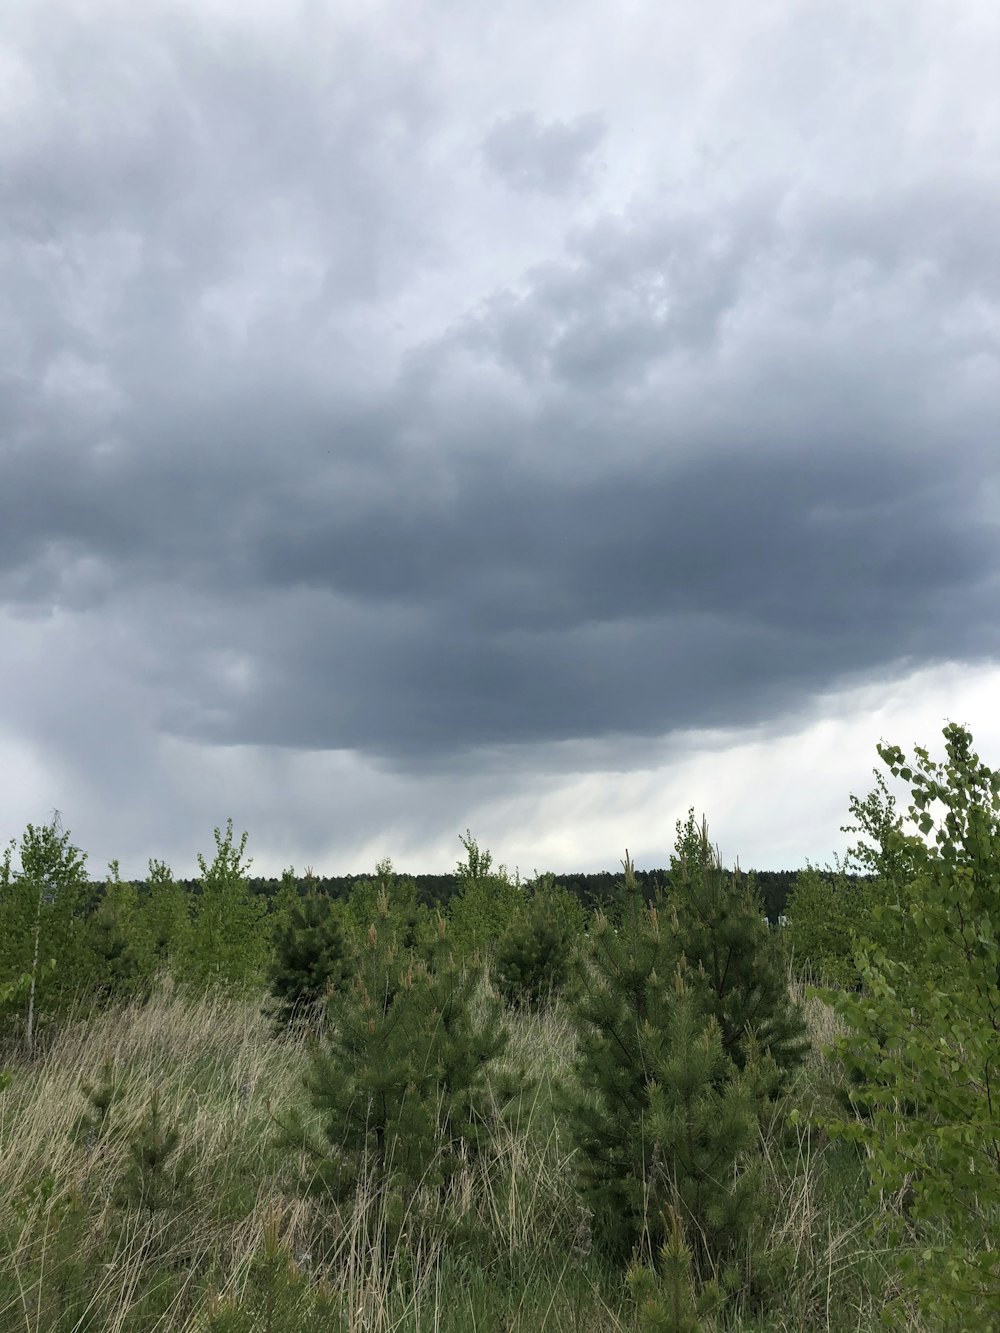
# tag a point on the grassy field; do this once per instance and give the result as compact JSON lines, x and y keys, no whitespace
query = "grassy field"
{"x":106,"y":1223}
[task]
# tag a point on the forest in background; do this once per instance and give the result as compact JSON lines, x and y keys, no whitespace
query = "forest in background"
{"x":593,"y":889}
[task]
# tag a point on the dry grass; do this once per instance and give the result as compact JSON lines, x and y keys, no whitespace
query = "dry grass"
{"x":217,"y":1075}
{"x":226,"y":1082}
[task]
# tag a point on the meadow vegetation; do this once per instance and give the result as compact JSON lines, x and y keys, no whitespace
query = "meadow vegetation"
{"x":229,"y":1114}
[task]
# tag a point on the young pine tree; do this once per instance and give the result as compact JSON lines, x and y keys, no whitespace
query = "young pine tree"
{"x":121,"y":940}
{"x":737,"y":962}
{"x":400,"y":1076}
{"x":310,"y":959}
{"x":534,"y":954}
{"x":284,"y":902}
{"x":408,"y":920}
{"x":158,"y":1171}
{"x":668,"y":1301}
{"x":663,"y":1110}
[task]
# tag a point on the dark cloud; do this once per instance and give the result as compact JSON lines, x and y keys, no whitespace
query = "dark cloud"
{"x":704,"y":460}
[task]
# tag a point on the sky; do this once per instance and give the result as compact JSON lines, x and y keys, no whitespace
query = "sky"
{"x":531,"y":420}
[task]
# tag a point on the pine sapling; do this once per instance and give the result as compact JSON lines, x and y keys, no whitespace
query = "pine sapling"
{"x":310,"y":959}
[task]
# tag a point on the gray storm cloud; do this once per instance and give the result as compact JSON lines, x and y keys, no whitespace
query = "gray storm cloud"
{"x":684,"y":459}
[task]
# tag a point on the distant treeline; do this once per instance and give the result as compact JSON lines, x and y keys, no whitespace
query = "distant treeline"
{"x":594,"y":889}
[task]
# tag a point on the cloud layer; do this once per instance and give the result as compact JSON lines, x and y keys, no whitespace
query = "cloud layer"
{"x":391,"y":397}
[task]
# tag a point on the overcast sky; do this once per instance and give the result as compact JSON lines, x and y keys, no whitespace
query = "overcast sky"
{"x":535,"y":419}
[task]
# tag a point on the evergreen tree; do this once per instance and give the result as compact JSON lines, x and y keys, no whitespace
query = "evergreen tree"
{"x":400,"y":1076}
{"x":407,"y":919}
{"x":668,"y":1300}
{"x":158,"y":1173}
{"x":122,"y":943}
{"x":664,"y":1111}
{"x":286,"y":901}
{"x":680,"y":1027}
{"x":739,"y":964}
{"x":310,"y":958}
{"x":534,"y":954}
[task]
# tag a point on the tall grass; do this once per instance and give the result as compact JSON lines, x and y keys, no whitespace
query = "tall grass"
{"x":237,"y":1245}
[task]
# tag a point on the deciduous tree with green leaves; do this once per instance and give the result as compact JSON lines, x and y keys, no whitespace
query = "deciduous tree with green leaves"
{"x":823,"y":918}
{"x":229,"y":933}
{"x":923,"y":1041}
{"x":165,"y":909}
{"x":46,"y":958}
{"x":487,"y":902}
